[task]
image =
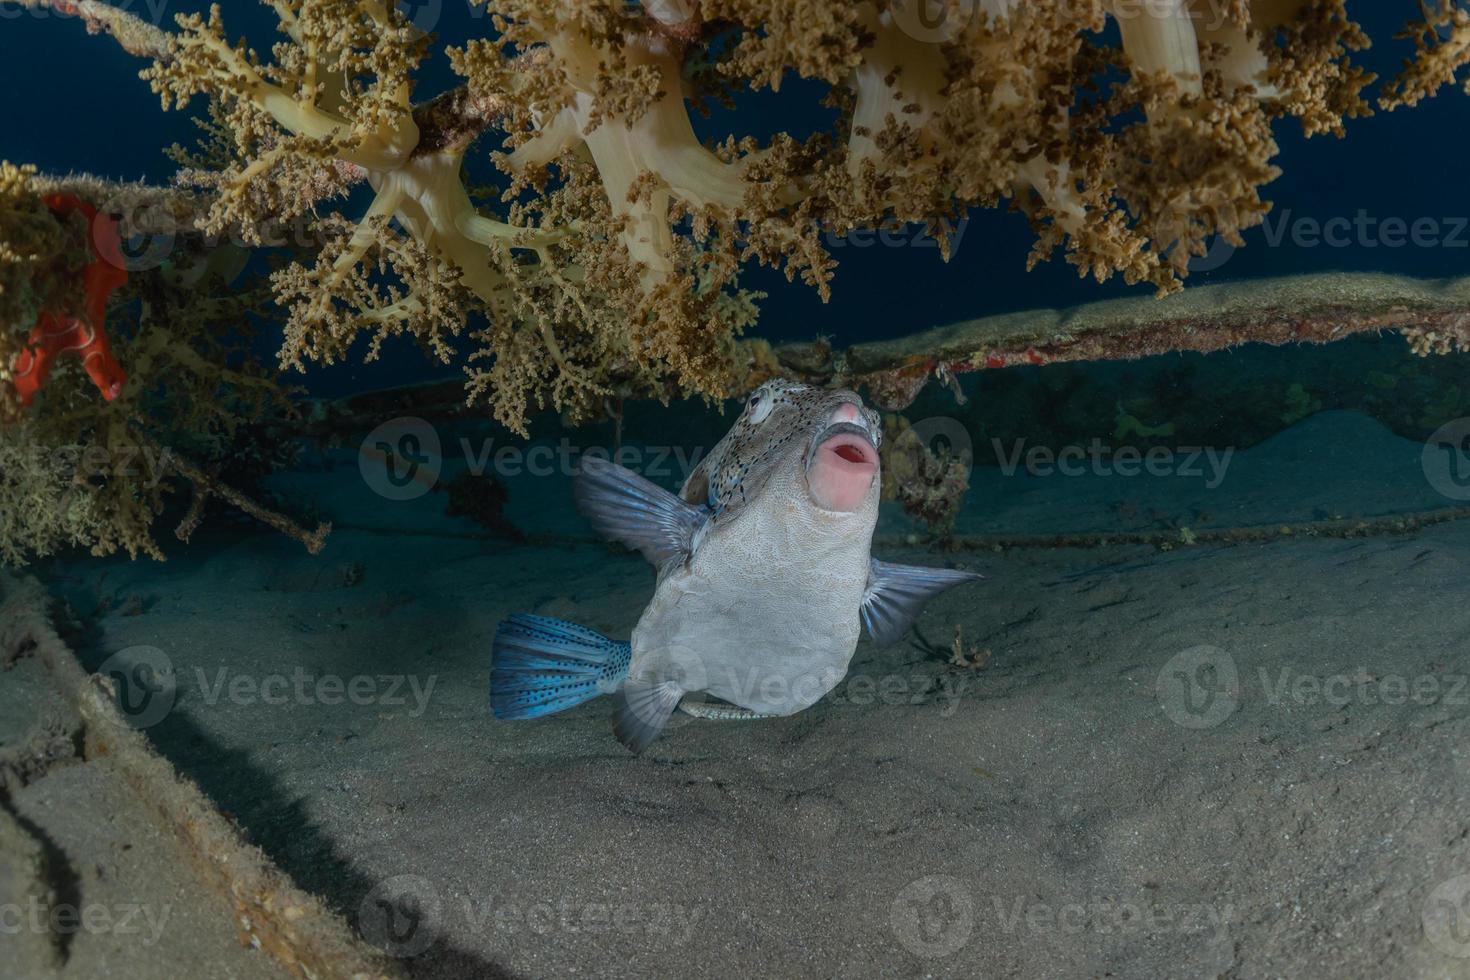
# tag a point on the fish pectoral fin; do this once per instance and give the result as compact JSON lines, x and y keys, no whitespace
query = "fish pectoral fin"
{"x":625,"y":507}
{"x":641,"y":708}
{"x":896,"y":594}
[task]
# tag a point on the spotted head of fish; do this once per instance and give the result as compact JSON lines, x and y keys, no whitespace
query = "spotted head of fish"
{"x":824,"y":441}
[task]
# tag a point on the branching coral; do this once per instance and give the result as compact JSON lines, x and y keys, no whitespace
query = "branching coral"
{"x":563,"y":305}
{"x":1442,"y":40}
{"x":42,"y":512}
{"x":610,"y":258}
{"x":80,"y":470}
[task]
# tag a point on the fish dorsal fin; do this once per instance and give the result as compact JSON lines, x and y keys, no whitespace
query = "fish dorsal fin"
{"x":625,"y":507}
{"x":897,"y":593}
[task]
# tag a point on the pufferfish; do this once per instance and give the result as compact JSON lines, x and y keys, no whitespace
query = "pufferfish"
{"x":765,"y":576}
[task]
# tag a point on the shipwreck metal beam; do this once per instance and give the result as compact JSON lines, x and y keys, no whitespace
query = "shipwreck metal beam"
{"x":1296,"y":309}
{"x":272,"y":914}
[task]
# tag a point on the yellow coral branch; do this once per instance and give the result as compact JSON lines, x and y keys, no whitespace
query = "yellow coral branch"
{"x":622,"y":235}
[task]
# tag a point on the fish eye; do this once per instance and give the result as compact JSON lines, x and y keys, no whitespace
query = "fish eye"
{"x":761,"y":403}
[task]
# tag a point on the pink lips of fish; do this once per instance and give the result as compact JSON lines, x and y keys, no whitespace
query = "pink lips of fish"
{"x":843,"y":466}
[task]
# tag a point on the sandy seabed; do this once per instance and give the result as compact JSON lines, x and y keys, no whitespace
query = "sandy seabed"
{"x":1197,"y":762}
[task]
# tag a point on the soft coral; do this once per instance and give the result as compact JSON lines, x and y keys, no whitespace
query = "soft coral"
{"x":58,"y":331}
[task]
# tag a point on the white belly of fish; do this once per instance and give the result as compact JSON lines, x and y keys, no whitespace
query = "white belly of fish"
{"x":767,"y":613}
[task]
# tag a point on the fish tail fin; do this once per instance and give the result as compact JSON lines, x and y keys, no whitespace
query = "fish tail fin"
{"x":541,"y":665}
{"x":641,"y":710}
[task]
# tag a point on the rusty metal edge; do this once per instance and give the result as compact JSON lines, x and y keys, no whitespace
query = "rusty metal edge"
{"x":271,"y":912}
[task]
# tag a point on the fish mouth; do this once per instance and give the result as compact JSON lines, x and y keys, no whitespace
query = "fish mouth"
{"x":841,"y":466}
